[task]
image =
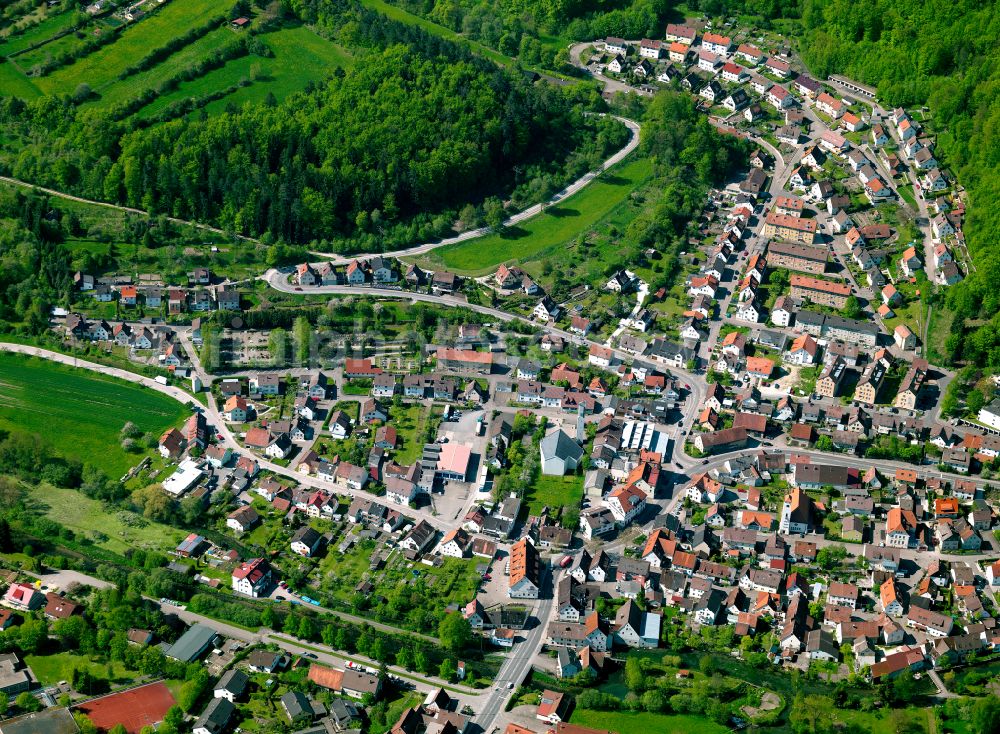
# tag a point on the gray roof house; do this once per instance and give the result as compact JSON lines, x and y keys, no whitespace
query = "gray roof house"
{"x":559,"y":453}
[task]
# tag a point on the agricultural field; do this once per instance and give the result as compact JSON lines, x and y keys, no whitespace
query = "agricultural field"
{"x":100,"y":68}
{"x":80,"y":414}
{"x":55,"y":21}
{"x":117,"y":92}
{"x":404,"y":16}
{"x":44,"y":48}
{"x":300,"y":56}
{"x":548,"y":232}
{"x":14,"y":83}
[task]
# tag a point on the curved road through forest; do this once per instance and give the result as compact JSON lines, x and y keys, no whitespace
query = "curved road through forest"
{"x":523,"y":216}
{"x":336,"y":259}
{"x":119,"y":207}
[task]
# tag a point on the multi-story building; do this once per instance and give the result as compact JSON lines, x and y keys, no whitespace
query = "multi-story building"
{"x":870,"y":383}
{"x":788,"y":227}
{"x":909,"y":388}
{"x":828,"y":384}
{"x":525,"y":581}
{"x":823,"y":292}
{"x":796,"y":256}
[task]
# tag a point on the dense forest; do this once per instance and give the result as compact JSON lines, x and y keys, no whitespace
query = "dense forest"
{"x":940,"y":53}
{"x":379,"y":156}
{"x":34,"y":266}
{"x":690,"y":156}
{"x":518,"y":27}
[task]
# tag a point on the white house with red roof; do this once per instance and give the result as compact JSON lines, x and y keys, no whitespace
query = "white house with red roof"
{"x":626,"y":503}
{"x":252,"y":578}
{"x":23,"y":596}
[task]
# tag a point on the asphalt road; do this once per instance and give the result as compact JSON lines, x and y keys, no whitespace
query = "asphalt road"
{"x":523,"y":216}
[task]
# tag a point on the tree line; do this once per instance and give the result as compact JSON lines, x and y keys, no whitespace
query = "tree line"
{"x":378,"y":156}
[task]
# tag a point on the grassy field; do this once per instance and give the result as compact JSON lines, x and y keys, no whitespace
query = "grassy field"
{"x":624,"y":722}
{"x":940,"y":326}
{"x":101,"y":67}
{"x":912,"y":313}
{"x":552,"y":229}
{"x":88,"y":517}
{"x":300,"y":56}
{"x":433,"y":587}
{"x":15,"y":83}
{"x":80,"y":414}
{"x":553,"y":492}
{"x":403,"y":16}
{"x":56,"y":45}
{"x":121,"y":91}
{"x":50,"y":669}
{"x":409,"y":423}
{"x":53,"y":24}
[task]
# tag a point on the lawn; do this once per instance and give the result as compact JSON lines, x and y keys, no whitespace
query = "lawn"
{"x":409,"y":422}
{"x":80,"y":414}
{"x":624,"y":722}
{"x":103,"y":65}
{"x":553,"y":492}
{"x":116,"y":531}
{"x":301,"y":56}
{"x":556,"y":226}
{"x":907,"y":193}
{"x":50,"y":669}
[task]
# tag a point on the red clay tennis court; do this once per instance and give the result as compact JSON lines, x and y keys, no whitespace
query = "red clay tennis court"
{"x":134,"y":708}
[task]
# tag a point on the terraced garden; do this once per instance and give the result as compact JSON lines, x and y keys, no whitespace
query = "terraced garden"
{"x":300,"y":56}
{"x":100,"y":68}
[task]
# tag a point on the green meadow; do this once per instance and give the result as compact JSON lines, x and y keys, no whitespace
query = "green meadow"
{"x":555,"y":226}
{"x":80,"y":413}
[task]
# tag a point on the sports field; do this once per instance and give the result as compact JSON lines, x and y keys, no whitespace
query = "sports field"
{"x":555,"y":226}
{"x":80,"y":414}
{"x":133,"y":709}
